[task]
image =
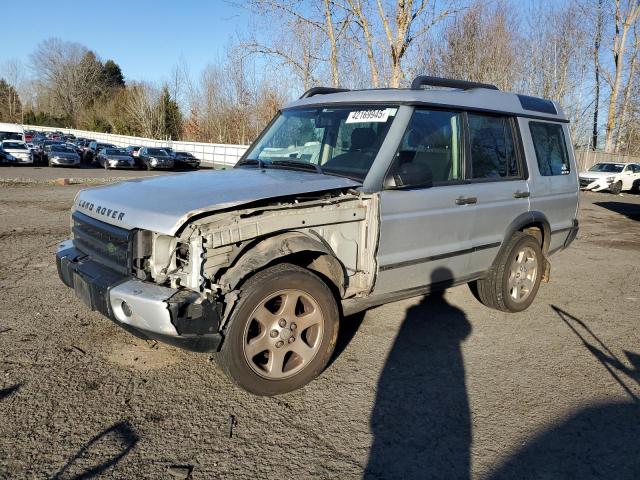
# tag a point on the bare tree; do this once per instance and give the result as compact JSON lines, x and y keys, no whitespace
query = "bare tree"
{"x":626,"y":15}
{"x":143,"y":106}
{"x":596,"y":66}
{"x":13,"y":73}
{"x":69,"y":71}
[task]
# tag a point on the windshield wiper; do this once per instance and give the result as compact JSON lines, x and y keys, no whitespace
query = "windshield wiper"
{"x":251,"y":161}
{"x":296,"y":164}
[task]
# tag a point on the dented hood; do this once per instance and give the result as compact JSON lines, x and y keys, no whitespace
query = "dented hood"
{"x":164,"y":203}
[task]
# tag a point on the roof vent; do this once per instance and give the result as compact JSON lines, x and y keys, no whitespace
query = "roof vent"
{"x":536,"y":104}
{"x":425,"y":80}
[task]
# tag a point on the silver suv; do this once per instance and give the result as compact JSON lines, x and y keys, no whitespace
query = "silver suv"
{"x":347,"y":200}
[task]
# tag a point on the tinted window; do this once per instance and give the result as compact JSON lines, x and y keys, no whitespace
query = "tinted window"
{"x":429,"y":152}
{"x":551,"y":148}
{"x":493,"y":153}
{"x":156,"y":151}
{"x":14,"y":145}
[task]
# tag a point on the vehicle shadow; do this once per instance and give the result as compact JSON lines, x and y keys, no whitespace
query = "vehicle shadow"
{"x":100,"y":453}
{"x":421,"y":420}
{"x":7,"y":392}
{"x":603,"y":354}
{"x":595,"y":443}
{"x":629,"y":210}
{"x":347,"y":330}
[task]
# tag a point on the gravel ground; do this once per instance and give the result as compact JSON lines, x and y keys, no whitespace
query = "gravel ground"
{"x":434,"y":387}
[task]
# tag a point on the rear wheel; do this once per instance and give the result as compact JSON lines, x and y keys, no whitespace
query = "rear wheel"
{"x":512,"y":282}
{"x":616,"y":188}
{"x":282,"y":332}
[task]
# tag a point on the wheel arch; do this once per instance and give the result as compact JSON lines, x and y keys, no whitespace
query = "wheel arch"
{"x":294,"y":247}
{"x":528,"y":220}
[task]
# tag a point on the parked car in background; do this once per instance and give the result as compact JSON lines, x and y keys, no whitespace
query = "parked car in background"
{"x":59,"y":155}
{"x":28,"y":135}
{"x":115,"y":158}
{"x":133,"y":150}
{"x":153,"y":157}
{"x":613,"y":176}
{"x":19,"y":150}
{"x":6,"y":158}
{"x":185,"y":160}
{"x":41,"y":154}
{"x":92,"y":150}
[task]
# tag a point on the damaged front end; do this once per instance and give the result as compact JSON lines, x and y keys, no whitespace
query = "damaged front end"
{"x":180,"y":289}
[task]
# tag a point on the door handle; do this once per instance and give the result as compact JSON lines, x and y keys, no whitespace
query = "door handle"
{"x":466,"y":200}
{"x":521,"y":194}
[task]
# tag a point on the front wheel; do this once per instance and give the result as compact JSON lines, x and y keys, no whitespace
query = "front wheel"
{"x":282,"y":332}
{"x":616,"y":188}
{"x":512,"y":282}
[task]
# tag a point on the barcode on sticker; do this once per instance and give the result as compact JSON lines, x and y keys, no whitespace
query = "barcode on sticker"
{"x":366,"y":116}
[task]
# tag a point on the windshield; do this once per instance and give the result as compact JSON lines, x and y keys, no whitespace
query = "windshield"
{"x":14,"y":145}
{"x":115,"y":151}
{"x":10,"y":136}
{"x":61,"y":148}
{"x":341,"y":140}
{"x":607,"y":167}
{"x":156,"y":151}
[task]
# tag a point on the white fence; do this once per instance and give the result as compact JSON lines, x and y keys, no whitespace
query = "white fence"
{"x":209,"y":153}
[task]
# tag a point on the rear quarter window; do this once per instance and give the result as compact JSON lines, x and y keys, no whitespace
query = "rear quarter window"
{"x":551,"y":148}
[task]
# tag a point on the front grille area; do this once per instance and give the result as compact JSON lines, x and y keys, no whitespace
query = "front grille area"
{"x":586,"y":181}
{"x":106,"y":244}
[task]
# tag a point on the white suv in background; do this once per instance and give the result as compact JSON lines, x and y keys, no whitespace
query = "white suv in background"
{"x":18,"y":150}
{"x":612,"y":176}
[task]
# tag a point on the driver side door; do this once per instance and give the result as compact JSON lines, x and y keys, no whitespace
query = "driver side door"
{"x":426,"y":209}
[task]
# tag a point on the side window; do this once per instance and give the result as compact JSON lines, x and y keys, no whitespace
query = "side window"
{"x":551,"y":148}
{"x":493,"y":153}
{"x":429,"y":153}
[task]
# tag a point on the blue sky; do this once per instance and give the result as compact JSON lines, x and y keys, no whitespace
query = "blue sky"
{"x":145,"y":37}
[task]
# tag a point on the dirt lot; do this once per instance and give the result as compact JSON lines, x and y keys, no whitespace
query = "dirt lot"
{"x":436,"y":387}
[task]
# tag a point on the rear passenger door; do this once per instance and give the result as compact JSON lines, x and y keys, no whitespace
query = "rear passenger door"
{"x":553,"y":177}
{"x":496,"y":176}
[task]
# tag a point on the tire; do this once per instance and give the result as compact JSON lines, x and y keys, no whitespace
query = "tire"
{"x":148,"y":166}
{"x":616,"y":188}
{"x":258,"y":353}
{"x":506,"y":280}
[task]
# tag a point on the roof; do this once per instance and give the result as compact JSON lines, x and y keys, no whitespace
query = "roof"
{"x":484,"y":99}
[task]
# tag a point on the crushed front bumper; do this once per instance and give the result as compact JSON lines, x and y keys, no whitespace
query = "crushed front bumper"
{"x":594,"y":185}
{"x":147,"y":310}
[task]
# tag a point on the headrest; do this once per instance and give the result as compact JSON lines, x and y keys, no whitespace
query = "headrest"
{"x":363,"y":138}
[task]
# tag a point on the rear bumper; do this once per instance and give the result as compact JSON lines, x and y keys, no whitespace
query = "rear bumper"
{"x":147,"y":310}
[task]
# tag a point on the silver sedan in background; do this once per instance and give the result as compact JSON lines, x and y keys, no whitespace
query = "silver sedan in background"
{"x":60,"y":155}
{"x":115,"y":158}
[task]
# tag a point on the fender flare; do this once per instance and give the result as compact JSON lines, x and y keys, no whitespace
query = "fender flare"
{"x":528,"y":218}
{"x":280,"y":246}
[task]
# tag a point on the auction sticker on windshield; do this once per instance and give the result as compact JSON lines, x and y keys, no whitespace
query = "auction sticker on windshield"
{"x":366,"y":116}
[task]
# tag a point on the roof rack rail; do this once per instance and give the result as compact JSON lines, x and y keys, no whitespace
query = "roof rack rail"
{"x":322,"y":91}
{"x":422,"y":80}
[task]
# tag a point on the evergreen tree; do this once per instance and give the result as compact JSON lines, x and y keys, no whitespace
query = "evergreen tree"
{"x":10,"y":105}
{"x":112,"y":75}
{"x":172,"y":116}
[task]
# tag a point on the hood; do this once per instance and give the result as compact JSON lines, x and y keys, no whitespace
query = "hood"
{"x":119,"y":157}
{"x":63,"y":154}
{"x":164,"y":203}
{"x":588,"y":174}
